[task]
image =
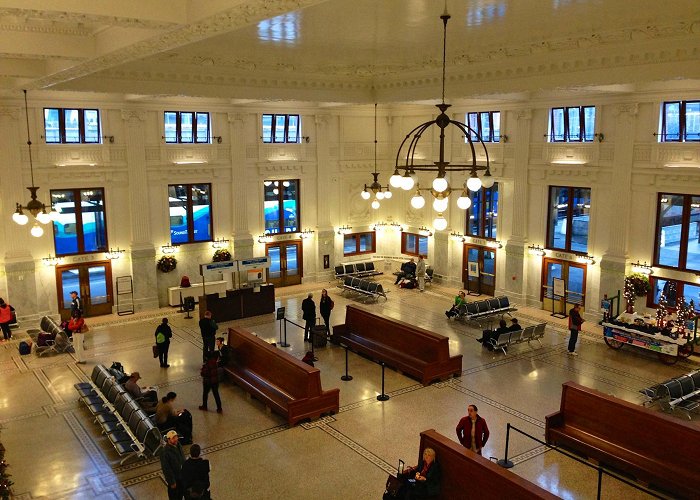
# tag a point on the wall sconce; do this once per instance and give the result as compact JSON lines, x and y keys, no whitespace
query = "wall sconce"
{"x":587,"y":259}
{"x":536,"y":250}
{"x":265,"y":238}
{"x":457,"y":236}
{"x":396,"y":227}
{"x":114,"y":254}
{"x":424,"y":231}
{"x":379,"y":226}
{"x":642,"y":268}
{"x":305,"y":139}
{"x":306,"y":233}
{"x":494,"y":244}
{"x":217,"y":138}
{"x":168,"y":249}
{"x":504,"y":138}
{"x":345,"y":229}
{"x":220,"y":243}
{"x":52,"y":261}
{"x":600,"y":137}
{"x":110,"y":138}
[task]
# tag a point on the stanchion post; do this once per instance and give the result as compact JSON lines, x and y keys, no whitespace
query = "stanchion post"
{"x":346,"y":377}
{"x":600,"y":482}
{"x":285,"y":344}
{"x":504,"y":462}
{"x":383,"y":396}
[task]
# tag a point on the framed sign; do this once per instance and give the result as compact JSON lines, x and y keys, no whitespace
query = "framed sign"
{"x":280,"y":313}
{"x":558,"y":289}
{"x":473,"y":269}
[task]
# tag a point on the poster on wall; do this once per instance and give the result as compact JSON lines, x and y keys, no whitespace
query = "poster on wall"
{"x":473,"y":269}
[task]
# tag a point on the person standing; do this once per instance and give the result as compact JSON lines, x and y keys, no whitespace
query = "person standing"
{"x":420,"y":273}
{"x":575,"y":322}
{"x":74,"y":330}
{"x":6,"y":319}
{"x":195,"y":475}
{"x":308,"y":309}
{"x":172,"y":459}
{"x":210,"y":381}
{"x":208,"y":328}
{"x":225,"y":352}
{"x":325,"y":306}
{"x":76,"y":303}
{"x":163,"y":335}
{"x":472,"y":430}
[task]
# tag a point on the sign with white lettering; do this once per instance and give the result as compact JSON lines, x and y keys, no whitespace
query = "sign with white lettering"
{"x":252,"y":264}
{"x":558,"y":287}
{"x":227,"y":265}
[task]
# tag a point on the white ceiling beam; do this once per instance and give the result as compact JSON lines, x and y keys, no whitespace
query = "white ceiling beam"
{"x":46,"y":45}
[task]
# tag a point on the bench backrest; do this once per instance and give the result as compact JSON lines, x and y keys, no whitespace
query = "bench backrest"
{"x":466,"y":475}
{"x":48,"y":325}
{"x":673,"y":389}
{"x":516,"y":336}
{"x":339,"y":271}
{"x":349,"y":268}
{"x":472,"y":308}
{"x":687,"y":384}
{"x":356,"y":283}
{"x":483,"y":306}
{"x":348,"y":281}
{"x":528,"y":333}
{"x":360,"y":267}
{"x":503,"y":302}
{"x":372,"y":287}
{"x":493,"y":304}
{"x":274,"y":365}
{"x":370,"y":266}
{"x":503,"y":338}
{"x":364,"y":285}
{"x":380,"y":289}
{"x":539,"y":330}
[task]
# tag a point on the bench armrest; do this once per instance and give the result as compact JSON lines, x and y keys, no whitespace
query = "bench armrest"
{"x":553,"y":420}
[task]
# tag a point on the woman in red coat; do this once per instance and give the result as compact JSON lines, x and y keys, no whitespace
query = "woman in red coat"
{"x":76,"y":323}
{"x":472,"y":430}
{"x":6,"y":319}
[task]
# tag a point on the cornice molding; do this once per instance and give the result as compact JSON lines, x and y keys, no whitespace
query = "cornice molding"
{"x":71,"y":23}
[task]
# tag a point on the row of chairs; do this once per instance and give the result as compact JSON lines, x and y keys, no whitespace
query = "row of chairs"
{"x":58,"y":345}
{"x":484,"y":308}
{"x":356,"y":270}
{"x":362,"y":286}
{"x":127,"y":426}
{"x":528,"y":334}
{"x":676,"y":394}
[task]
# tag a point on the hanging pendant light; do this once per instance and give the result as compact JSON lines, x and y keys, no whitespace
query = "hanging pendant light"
{"x":380,"y":192}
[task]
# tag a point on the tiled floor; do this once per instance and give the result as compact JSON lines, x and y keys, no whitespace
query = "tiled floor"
{"x":55,"y":451}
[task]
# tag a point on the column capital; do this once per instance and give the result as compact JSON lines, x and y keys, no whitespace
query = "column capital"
{"x":524,"y":114}
{"x":627,"y":108}
{"x":236,"y":118}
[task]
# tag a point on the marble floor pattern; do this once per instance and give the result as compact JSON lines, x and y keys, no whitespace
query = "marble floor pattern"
{"x":56,"y":452}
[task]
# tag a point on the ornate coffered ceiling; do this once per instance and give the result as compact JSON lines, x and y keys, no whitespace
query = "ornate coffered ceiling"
{"x":346,"y":51}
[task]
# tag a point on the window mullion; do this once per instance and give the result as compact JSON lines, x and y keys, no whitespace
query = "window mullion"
{"x":685,"y":232}
{"x":190,"y":214}
{"x":567,"y":137}
{"x":280,"y":212}
{"x":582,"y":124}
{"x":681,"y":123}
{"x":78,"y":207}
{"x":569,"y":218}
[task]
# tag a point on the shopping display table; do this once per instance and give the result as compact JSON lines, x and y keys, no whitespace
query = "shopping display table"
{"x":668,"y":349}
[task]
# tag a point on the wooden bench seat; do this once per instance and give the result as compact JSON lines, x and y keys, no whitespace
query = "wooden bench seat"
{"x":419,"y":353}
{"x":280,"y":381}
{"x":653,"y":447}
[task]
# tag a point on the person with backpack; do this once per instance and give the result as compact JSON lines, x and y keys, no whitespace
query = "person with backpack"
{"x":325,"y":306}
{"x":163,"y":335}
{"x":6,"y":319}
{"x":210,"y":381}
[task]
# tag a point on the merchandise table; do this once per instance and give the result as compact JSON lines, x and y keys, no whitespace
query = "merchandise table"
{"x":668,"y":349}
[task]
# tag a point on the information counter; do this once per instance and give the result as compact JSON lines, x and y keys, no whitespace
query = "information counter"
{"x":237,"y":304}
{"x":195,"y":290}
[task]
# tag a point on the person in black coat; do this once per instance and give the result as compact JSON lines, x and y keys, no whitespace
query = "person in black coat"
{"x":195,"y":475}
{"x":308,"y":309}
{"x":325,"y":307}
{"x":163,"y":335}
{"x":423,"y":480}
{"x":208,"y":328}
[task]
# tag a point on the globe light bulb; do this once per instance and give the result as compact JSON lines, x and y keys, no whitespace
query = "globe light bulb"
{"x":474,"y":183}
{"x":375,"y":204}
{"x":418,"y":201}
{"x":440,"y":204}
{"x":440,"y":184}
{"x":380,"y":195}
{"x":285,"y":184}
{"x":464,"y":202}
{"x":37,"y":231}
{"x":19,"y":218}
{"x":440,"y":223}
{"x":43,"y":217}
{"x":275,"y":191}
{"x":487,"y":180}
{"x":407,"y":182}
{"x":365,"y":194}
{"x":267,"y":183}
{"x":396,"y":180}
{"x":387,"y":194}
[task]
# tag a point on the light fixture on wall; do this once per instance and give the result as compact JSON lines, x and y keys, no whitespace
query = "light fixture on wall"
{"x":345,"y":229}
{"x":52,"y":261}
{"x":379,"y":226}
{"x":265,"y":238}
{"x":441,"y":190}
{"x":586,"y":259}
{"x":380,"y":192}
{"x":642,"y":268}
{"x":536,"y":250}
{"x":33,"y":206}
{"x":424,"y":231}
{"x":168,"y":249}
{"x":114,"y":254}
{"x":457,"y":236}
{"x":396,"y":227}
{"x":494,"y":244}
{"x":220,"y":243}
{"x":306,"y":234}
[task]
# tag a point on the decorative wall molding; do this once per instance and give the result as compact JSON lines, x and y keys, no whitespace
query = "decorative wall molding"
{"x":133,"y":115}
{"x":627,"y":108}
{"x":282,"y":169}
{"x":12,"y":112}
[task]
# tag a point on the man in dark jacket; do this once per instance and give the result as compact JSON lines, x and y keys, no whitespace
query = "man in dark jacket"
{"x":163,"y":335}
{"x":210,"y":381}
{"x":575,"y":322}
{"x":171,"y":460}
{"x":308,"y":309}
{"x":195,"y":475}
{"x":208,"y":328}
{"x":481,"y":431}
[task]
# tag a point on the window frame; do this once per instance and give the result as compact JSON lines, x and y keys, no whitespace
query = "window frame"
{"x":482,"y":215}
{"x":404,"y":247}
{"x":190,"y":214}
{"x":567,"y":137}
{"x":492,"y":134}
{"x":280,"y":201}
{"x":81,"y":126}
{"x":685,"y":233}
{"x":273,"y":127}
{"x":79,"y":224}
{"x":178,"y":127}
{"x":569,"y":220}
{"x":680,"y":286}
{"x":682,"y":125}
{"x":357,"y":237}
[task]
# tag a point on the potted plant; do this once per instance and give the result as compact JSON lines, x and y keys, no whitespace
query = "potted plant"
{"x":221,"y":255}
{"x":166,"y":263}
{"x":636,"y":285}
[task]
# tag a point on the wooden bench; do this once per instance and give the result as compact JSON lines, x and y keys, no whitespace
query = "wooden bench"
{"x":414,"y":351}
{"x":656,"y":449}
{"x":464,"y":474}
{"x":282,"y":382}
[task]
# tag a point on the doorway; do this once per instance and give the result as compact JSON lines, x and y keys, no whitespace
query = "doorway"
{"x":574,"y":276}
{"x":286,"y":263}
{"x":92,"y":281}
{"x":479,"y":269}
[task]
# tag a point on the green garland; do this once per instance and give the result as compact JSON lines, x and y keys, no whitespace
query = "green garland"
{"x":166,"y":263}
{"x":5,"y":481}
{"x":221,"y":255}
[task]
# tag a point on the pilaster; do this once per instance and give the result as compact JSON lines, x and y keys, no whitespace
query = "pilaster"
{"x":239,"y":200}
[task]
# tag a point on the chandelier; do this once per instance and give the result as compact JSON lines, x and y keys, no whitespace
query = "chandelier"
{"x":440,"y":189}
{"x":380,"y":192}
{"x":33,"y":206}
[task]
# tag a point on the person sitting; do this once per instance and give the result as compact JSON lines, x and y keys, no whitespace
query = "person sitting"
{"x":408,"y":270}
{"x":423,"y":480}
{"x":489,"y":335}
{"x":147,"y":397}
{"x":167,"y":417}
{"x":514,"y":325}
{"x":75,"y":324}
{"x":460,"y":299}
{"x":195,"y":475}
{"x":225,"y":352}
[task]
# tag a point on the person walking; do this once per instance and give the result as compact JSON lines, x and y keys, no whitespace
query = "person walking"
{"x":472,"y":430}
{"x":163,"y":335}
{"x":210,"y":381}
{"x":308,"y":309}
{"x":172,"y":459}
{"x":575,"y":322}
{"x":420,"y":273}
{"x":6,"y":319}
{"x":208,"y":327}
{"x":76,"y":330}
{"x":195,"y":475}
{"x":76,"y":303}
{"x":325,"y":306}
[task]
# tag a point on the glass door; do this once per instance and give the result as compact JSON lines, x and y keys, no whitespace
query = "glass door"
{"x":285,"y":263}
{"x":574,"y":276}
{"x":93,"y":282}
{"x":479,"y":274}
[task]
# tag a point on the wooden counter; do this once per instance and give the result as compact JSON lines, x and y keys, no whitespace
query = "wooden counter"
{"x":237,"y":304}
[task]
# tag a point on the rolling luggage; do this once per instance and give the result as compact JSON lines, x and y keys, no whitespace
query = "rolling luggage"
{"x":25,"y":347}
{"x":318,"y":333}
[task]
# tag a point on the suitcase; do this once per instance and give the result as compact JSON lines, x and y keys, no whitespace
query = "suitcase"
{"x":25,"y":347}
{"x":318,"y":334}
{"x":155,"y":350}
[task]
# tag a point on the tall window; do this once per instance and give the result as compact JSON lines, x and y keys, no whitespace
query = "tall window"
{"x":482,"y":216}
{"x":71,"y":126}
{"x":576,"y":124}
{"x":487,"y":124}
{"x":678,"y":232}
{"x":281,"y":128}
{"x":281,"y":206}
{"x":190,"y":213}
{"x":673,"y":290}
{"x":414,"y":244}
{"x":80,"y":226}
{"x":569,"y":214}
{"x":187,"y":127}
{"x":359,"y":243}
{"x":680,"y":121}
